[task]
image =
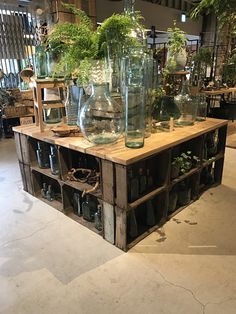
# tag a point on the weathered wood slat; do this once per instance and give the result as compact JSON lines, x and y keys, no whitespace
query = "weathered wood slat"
{"x":109,"y":222}
{"x":121,"y":228}
{"x":108,"y":181}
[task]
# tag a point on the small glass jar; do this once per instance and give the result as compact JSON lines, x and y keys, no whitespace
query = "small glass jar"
{"x":89,"y":208}
{"x":53,"y":160}
{"x":53,"y":58}
{"x":50,"y":194}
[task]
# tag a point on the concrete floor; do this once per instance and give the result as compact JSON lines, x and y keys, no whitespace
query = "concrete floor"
{"x":51,"y":264}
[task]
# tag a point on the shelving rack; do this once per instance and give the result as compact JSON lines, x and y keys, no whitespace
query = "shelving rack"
{"x":126,"y":220}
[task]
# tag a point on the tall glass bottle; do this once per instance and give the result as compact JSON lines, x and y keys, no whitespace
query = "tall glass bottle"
{"x":186,"y":105}
{"x":98,"y":218}
{"x":89,"y":208}
{"x":101,"y":117}
{"x":135,"y":97}
{"x":42,"y":153}
{"x":73,"y":96}
{"x":137,"y":31}
{"x":53,"y":160}
{"x":40,"y":62}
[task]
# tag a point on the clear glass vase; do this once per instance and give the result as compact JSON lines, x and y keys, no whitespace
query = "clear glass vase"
{"x":186,"y":105}
{"x":101,"y":117}
{"x":74,"y":94}
{"x":201,"y":103}
{"x":40,"y":63}
{"x":135,"y":97}
{"x":53,"y":58}
{"x":137,"y":31}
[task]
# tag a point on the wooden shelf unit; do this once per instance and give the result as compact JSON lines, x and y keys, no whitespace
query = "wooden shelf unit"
{"x":126,"y":219}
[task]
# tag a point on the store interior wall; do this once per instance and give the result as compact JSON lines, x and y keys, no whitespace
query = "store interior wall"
{"x":154,"y":14}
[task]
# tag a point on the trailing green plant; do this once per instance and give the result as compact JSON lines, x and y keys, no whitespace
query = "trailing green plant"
{"x":185,"y":161}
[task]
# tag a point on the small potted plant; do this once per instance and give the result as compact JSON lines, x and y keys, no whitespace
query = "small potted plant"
{"x":183,"y":163}
{"x":177,"y":55}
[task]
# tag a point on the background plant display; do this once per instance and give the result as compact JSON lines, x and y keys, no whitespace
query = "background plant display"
{"x":79,"y":44}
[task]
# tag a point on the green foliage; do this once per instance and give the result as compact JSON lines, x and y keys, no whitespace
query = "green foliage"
{"x":78,"y":44}
{"x":185,"y":161}
{"x":116,"y":29}
{"x":177,"y":40}
{"x":204,"y":55}
{"x":225,"y":10}
{"x":176,"y":44}
{"x":229,"y":70}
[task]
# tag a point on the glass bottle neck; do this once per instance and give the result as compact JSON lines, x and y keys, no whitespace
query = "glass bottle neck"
{"x":129,"y":7}
{"x":100,"y":89}
{"x":185,"y":88}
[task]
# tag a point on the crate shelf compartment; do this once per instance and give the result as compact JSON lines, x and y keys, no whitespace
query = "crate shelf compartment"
{"x":183,"y":194}
{"x":71,"y":207}
{"x":193,"y":145}
{"x":38,"y":180}
{"x":69,"y":159}
{"x":211,"y":175}
{"x":145,"y":218}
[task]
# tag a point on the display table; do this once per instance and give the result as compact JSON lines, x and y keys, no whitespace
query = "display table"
{"x":135,"y":184}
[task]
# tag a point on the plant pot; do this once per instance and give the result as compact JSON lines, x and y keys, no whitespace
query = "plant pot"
{"x":184,"y":197}
{"x":181,"y":60}
{"x":174,"y":171}
{"x":173,"y":197}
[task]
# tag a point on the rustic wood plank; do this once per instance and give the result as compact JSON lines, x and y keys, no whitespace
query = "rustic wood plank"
{"x":25,"y":149}
{"x":108,"y":181}
{"x":121,"y":186}
{"x":109,"y":222}
{"x":18,"y":146}
{"x":218,"y":170}
{"x":121,"y":228}
{"x":22,"y":172}
{"x":28,"y":178}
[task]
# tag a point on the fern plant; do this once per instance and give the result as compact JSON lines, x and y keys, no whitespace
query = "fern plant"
{"x":78,"y":44}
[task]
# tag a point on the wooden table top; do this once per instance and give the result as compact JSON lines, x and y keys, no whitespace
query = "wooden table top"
{"x":117,"y":152}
